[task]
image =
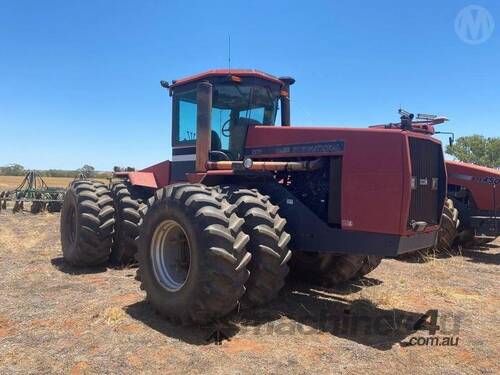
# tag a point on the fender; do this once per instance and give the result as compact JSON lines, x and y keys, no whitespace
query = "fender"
{"x":146,"y":179}
{"x":155,"y":177}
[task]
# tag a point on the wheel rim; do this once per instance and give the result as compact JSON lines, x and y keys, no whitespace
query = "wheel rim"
{"x":170,"y":255}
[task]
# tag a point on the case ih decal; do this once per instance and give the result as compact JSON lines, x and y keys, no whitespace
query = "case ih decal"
{"x":325,"y":148}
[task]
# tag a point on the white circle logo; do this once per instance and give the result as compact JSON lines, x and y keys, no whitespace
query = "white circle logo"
{"x":474,"y":24}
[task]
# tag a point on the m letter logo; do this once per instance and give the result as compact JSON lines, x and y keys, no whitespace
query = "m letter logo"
{"x":474,"y":24}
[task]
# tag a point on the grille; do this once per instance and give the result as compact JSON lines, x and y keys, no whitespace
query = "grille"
{"x":428,"y":181}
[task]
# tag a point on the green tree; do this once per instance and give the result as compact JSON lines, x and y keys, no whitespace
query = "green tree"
{"x":477,"y":149}
{"x":88,"y":170}
{"x":12,"y":170}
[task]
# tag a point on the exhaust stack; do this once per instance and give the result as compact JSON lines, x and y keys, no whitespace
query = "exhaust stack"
{"x":285,"y":100}
{"x":203,"y":125}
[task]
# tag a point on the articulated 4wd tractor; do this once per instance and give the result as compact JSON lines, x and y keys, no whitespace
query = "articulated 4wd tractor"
{"x":244,"y":200}
{"x":472,"y":207}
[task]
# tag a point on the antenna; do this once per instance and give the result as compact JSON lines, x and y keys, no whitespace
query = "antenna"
{"x":229,"y":56}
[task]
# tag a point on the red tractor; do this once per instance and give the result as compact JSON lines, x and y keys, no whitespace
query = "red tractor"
{"x":471,"y":212}
{"x":475,"y":193}
{"x":217,"y":225}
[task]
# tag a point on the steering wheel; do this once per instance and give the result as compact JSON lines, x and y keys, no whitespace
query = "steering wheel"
{"x":219,"y":156}
{"x":225,"y":128}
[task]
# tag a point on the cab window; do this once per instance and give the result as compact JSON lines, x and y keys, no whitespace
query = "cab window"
{"x":184,"y":118}
{"x":235,"y":107}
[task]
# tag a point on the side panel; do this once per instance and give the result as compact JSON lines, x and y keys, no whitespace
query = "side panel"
{"x":375,"y":169}
{"x":374,"y":178}
{"x":183,"y":162}
{"x":180,"y":169}
{"x":482,"y":182}
{"x":146,"y":179}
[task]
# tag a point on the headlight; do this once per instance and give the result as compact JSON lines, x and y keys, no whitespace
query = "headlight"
{"x":247,"y":163}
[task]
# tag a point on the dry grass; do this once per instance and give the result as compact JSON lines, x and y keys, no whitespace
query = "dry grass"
{"x":58,"y":319}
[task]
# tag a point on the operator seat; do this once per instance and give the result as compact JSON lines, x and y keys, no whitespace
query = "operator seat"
{"x":216,"y":152}
{"x":215,"y":141}
{"x":239,"y":136}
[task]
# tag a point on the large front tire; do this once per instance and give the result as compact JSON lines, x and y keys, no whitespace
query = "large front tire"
{"x":268,"y":244}
{"x":192,"y":254}
{"x":87,"y":224}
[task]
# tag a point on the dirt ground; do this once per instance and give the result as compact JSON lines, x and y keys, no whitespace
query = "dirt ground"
{"x":59,"y":319}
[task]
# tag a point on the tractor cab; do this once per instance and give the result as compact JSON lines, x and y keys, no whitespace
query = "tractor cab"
{"x":212,"y":112}
{"x":236,"y":104}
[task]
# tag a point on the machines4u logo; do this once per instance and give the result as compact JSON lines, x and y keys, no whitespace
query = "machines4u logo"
{"x":435,"y":325}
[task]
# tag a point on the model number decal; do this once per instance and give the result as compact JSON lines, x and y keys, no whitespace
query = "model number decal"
{"x":304,"y":148}
{"x":482,"y":180}
{"x":487,"y":180}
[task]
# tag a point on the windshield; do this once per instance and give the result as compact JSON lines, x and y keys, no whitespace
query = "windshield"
{"x":250,"y":101}
{"x":235,"y":107}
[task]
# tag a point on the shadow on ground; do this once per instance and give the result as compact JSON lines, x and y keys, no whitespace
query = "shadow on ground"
{"x":425,"y":256}
{"x":477,"y":254}
{"x":65,"y":267}
{"x":306,"y":311}
{"x":62,"y":266}
{"x":197,"y":335}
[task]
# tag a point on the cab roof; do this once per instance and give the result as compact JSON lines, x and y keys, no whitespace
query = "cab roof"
{"x":226,"y":72}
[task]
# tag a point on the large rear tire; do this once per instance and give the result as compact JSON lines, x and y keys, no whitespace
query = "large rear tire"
{"x":465,"y":231}
{"x":127,"y":204}
{"x":87,"y":224}
{"x":449,"y":223}
{"x":192,"y":254}
{"x":268,"y":244}
{"x":370,"y":263}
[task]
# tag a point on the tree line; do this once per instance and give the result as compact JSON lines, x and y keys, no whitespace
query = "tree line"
{"x":87,"y":170}
{"x":477,"y":149}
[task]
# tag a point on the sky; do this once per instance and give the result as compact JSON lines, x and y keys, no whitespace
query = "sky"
{"x":80,"y":79}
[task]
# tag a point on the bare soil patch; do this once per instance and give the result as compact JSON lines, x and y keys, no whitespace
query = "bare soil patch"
{"x":59,"y":319}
